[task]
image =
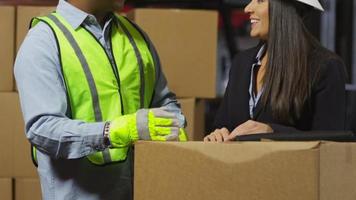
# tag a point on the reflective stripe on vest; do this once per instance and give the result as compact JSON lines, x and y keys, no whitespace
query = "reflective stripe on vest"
{"x":100,"y":90}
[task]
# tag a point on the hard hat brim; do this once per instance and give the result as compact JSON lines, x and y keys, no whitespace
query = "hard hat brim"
{"x":314,"y":3}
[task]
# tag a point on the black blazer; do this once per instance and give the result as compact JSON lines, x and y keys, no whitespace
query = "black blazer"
{"x":326,"y":110}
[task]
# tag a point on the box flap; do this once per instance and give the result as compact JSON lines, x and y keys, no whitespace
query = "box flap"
{"x":235,"y":152}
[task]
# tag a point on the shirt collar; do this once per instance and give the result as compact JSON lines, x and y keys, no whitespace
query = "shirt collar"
{"x":260,"y":53}
{"x":74,"y":16}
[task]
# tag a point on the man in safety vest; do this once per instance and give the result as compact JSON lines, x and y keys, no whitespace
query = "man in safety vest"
{"x":91,"y":84}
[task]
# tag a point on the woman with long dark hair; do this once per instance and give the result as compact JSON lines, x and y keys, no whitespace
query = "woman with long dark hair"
{"x":288,"y":83}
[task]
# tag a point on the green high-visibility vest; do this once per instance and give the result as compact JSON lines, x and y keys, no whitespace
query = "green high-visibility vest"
{"x":98,"y":88}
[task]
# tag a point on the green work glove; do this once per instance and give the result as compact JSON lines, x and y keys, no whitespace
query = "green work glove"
{"x":156,"y":124}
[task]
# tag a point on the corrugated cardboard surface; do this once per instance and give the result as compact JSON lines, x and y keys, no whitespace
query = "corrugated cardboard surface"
{"x":5,"y":188}
{"x":24,"y":16}
{"x":194,"y":111}
{"x":27,"y":189}
{"x":9,"y":111}
{"x":14,"y":147}
{"x":244,"y":171}
{"x":186,"y":41}
{"x":7,"y":41}
{"x":338,"y":171}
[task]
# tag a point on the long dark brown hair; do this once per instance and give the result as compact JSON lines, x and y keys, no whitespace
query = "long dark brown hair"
{"x":287,"y":82}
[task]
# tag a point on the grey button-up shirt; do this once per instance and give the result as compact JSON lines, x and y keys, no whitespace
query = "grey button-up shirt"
{"x":63,"y":143}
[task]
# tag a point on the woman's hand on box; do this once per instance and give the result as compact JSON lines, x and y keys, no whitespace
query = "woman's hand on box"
{"x":219,"y":135}
{"x":249,"y":128}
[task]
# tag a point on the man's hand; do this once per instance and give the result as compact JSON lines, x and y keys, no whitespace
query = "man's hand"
{"x":156,"y":124}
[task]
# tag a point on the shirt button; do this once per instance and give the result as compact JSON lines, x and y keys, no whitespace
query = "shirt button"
{"x":91,"y":20}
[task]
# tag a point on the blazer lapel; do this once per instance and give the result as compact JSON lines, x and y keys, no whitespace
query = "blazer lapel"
{"x":258,"y":110}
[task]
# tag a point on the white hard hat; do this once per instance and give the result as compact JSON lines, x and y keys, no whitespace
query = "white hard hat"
{"x":314,"y":3}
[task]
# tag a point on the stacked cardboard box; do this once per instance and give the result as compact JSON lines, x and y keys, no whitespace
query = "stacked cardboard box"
{"x":24,"y":16}
{"x":14,"y":147}
{"x":7,"y":34}
{"x":186,"y":41}
{"x":23,"y":20}
{"x":27,"y":189}
{"x":27,"y":185}
{"x":15,"y":152}
{"x":22,"y":163}
{"x":6,"y":189}
{"x":194,"y":110}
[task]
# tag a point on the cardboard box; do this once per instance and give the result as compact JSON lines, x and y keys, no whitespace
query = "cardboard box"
{"x":9,"y":111}
{"x":245,"y":171}
{"x":194,"y":111}
{"x":7,"y":41}
{"x":27,"y":189}
{"x":186,"y":41}
{"x":14,"y":147}
{"x":24,"y":16}
{"x":5,"y":188}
